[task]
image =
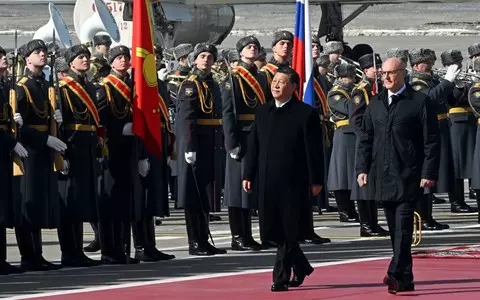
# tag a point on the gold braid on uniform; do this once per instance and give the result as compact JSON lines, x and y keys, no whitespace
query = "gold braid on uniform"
{"x":252,"y":103}
{"x":79,"y":115}
{"x":205,"y":98}
{"x":113,"y":107}
{"x":41,"y":114}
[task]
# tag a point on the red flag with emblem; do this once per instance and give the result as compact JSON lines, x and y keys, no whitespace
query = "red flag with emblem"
{"x":146,"y":112}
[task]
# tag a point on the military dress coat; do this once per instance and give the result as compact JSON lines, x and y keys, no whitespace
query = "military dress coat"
{"x":463,"y":131}
{"x":438,"y":92}
{"x":38,"y":201}
{"x":342,"y":160}
{"x":123,"y":199}
{"x":78,"y":188}
{"x":284,"y":157}
{"x":198,"y":125}
{"x":7,"y":143}
{"x":238,"y":113}
{"x":474,"y":100}
{"x":155,"y":184}
{"x":399,"y":145}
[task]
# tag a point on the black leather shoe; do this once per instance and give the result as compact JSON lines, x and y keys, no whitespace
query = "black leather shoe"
{"x":345,"y":218}
{"x":436,"y":200}
{"x":382,"y":232}
{"x":197,"y":250}
{"x":462,"y":208}
{"x":94,"y":246}
{"x":214,"y":218}
{"x":269,"y":244}
{"x":238,"y":244}
{"x":316,"y":239}
{"x":214,"y":250}
{"x":48,"y":265}
{"x":250,"y":242}
{"x":113,"y":260}
{"x":79,"y":261}
{"x":433,"y":225}
{"x":279,"y":287}
{"x":472,"y":194}
{"x":298,"y":279}
{"x":7,"y":269}
{"x":367,"y":231}
{"x":158,"y":222}
{"x":151,"y":255}
{"x":330,"y":209}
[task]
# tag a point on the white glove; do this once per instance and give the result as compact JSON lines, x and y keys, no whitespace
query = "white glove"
{"x":56,"y":144}
{"x":191,"y":157}
{"x":127,"y":129}
{"x":18,"y":119}
{"x":57,"y":115}
{"x":66,"y":167}
{"x":20,"y":150}
{"x":234,"y":152}
{"x":162,"y":74}
{"x":143,"y":167}
{"x":452,"y":73}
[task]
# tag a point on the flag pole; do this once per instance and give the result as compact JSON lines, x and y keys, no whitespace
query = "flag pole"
{"x":308,"y":45}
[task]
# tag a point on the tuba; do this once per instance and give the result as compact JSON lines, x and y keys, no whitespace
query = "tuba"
{"x":57,"y":24}
{"x":359,"y":72}
{"x":102,"y":21}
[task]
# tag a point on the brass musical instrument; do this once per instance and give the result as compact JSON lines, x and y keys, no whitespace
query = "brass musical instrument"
{"x":359,"y":72}
{"x":417,"y":229}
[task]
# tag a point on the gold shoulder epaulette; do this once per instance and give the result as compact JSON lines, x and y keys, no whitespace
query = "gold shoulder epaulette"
{"x":22,"y":81}
{"x":476,"y":85}
{"x":192,"y":77}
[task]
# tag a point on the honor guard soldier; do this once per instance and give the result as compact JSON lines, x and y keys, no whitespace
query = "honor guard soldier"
{"x":282,"y":46}
{"x":100,"y":67}
{"x":126,"y":160}
{"x":316,"y":47}
{"x":360,"y":50}
{"x":61,"y":67}
{"x":422,"y":80}
{"x":241,"y":96}
{"x":474,"y":54}
{"x":334,"y":49}
{"x":474,"y":100}
{"x":462,"y":133}
{"x":371,"y":64}
{"x":199,"y":117}
{"x":38,"y":199}
{"x":340,"y":172}
{"x":180,"y":53}
{"x":8,"y":146}
{"x":78,"y":186}
{"x":155,"y":185}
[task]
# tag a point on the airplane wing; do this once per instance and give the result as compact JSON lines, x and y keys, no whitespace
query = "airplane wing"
{"x":212,"y":2}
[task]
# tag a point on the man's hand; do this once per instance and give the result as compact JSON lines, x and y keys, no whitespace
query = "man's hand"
{"x":57,"y":115}
{"x":362,"y":179}
{"x":18,"y":119}
{"x":427,"y":183}
{"x":247,"y":186}
{"x":316,"y":189}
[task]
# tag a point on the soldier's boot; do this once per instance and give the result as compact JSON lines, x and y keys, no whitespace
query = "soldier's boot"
{"x":151,"y":242}
{"x":457,"y":199}
{"x":364,"y":212}
{"x":194,"y":246}
{"x":144,"y":241}
{"x":436,"y":200}
{"x":344,"y":205}
{"x":203,"y":235}
{"x":29,"y":243}
{"x":235,"y":220}
{"x":37,"y":246}
{"x":87,"y":261}
{"x":5,"y":267}
{"x":247,"y":229}
{"x":428,"y":222}
{"x":374,"y":219}
{"x":94,"y":246}
{"x":106,"y":238}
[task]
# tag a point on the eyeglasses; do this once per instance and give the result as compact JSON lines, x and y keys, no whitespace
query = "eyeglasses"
{"x":389,"y":73}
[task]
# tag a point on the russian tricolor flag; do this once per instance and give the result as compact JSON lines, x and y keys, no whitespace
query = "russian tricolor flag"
{"x":302,"y":52}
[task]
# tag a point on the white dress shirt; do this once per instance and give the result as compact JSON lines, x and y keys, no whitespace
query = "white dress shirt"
{"x":390,"y":94}
{"x":278,"y":104}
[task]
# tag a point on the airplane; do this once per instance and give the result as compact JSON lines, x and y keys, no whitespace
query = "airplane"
{"x":195,"y":21}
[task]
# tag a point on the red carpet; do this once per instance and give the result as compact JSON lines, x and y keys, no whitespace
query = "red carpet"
{"x":435,"y":279}
{"x":468,"y":252}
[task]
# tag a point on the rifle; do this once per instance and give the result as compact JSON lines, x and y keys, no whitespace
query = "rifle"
{"x":58,"y":163}
{"x":18,"y":168}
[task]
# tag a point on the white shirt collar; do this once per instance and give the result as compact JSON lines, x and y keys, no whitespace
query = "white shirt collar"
{"x":397,"y":93}
{"x":278,"y":104}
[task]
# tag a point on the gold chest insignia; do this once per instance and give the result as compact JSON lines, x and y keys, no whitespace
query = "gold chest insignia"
{"x":477,"y":94}
{"x":228,"y":86}
{"x":337,"y":97}
{"x":189,"y":92}
{"x":357,"y":99}
{"x":417,"y":87}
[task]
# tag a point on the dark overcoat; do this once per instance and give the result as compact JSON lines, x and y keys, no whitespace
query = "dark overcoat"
{"x":7,"y":143}
{"x":198,"y":124}
{"x":285,"y":153}
{"x":399,"y":145}
{"x":239,"y":102}
{"x":78,"y":188}
{"x":37,"y":201}
{"x":474,"y":100}
{"x":123,"y":199}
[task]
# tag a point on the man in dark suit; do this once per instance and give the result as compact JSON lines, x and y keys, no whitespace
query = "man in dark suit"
{"x":398,"y":156}
{"x":284,"y":155}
